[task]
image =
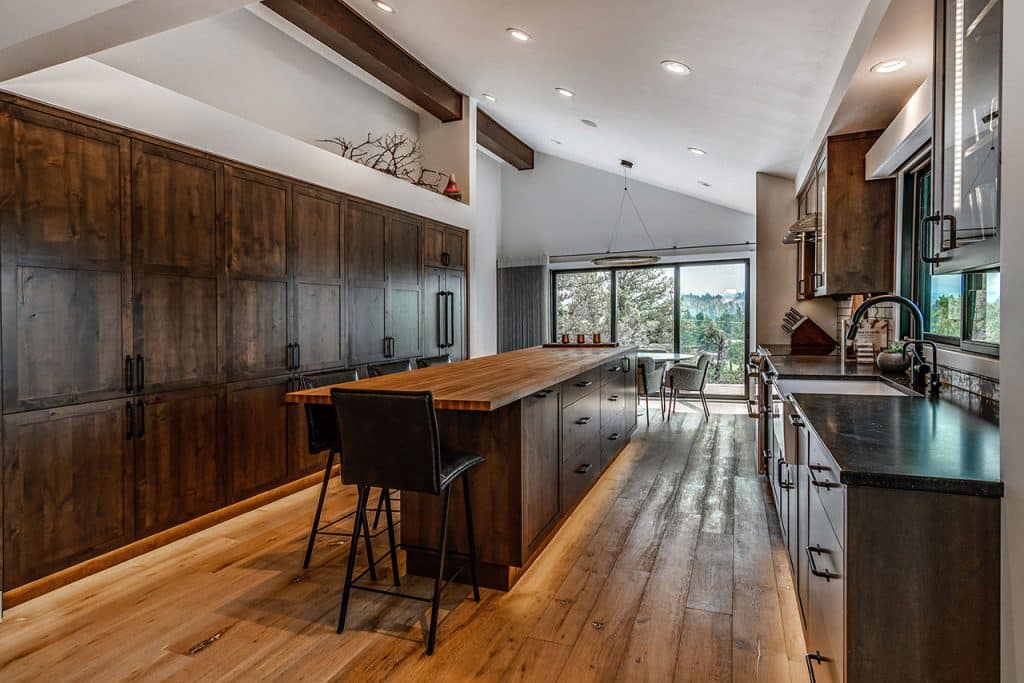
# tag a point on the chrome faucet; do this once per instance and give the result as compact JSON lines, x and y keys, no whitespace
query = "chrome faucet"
{"x":922,"y":374}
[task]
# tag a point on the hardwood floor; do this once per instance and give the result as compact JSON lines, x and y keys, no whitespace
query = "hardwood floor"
{"x":671,"y":568}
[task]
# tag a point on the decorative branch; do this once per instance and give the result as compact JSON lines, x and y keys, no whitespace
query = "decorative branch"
{"x":396,"y":154}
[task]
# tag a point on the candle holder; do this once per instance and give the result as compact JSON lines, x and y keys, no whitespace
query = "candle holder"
{"x":597,"y":338}
{"x":581,"y":339}
{"x":565,"y":338}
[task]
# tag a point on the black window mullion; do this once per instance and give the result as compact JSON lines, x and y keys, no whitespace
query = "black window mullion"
{"x":675,"y":311}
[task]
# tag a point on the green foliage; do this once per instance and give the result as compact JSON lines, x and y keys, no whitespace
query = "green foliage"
{"x":944,"y":316}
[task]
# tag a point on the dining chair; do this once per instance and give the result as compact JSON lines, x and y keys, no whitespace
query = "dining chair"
{"x":431,"y":361}
{"x":682,"y":378}
{"x":389,"y":368}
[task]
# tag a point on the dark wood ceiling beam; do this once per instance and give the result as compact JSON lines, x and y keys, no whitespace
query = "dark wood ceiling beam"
{"x":338,"y":26}
{"x":497,"y":139}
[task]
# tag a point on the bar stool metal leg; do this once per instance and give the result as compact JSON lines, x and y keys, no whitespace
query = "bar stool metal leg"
{"x":366,"y":535}
{"x":380,"y":505}
{"x":391,"y":537}
{"x":436,"y":602}
{"x":471,"y":541}
{"x":319,"y":509}
{"x":364,"y":493}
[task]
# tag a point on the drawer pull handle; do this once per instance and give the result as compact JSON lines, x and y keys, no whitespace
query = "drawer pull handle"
{"x":583,"y":420}
{"x":821,"y":484}
{"x":584,"y":385}
{"x":813,"y":550}
{"x":787,"y":485}
{"x":615,"y":437}
{"x":617,"y":368}
{"x":810,"y":658}
{"x":584,"y":468}
{"x":796,"y":421}
{"x":613,"y":397}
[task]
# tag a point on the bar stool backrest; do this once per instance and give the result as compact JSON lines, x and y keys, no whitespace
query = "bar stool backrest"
{"x":389,"y":368}
{"x":389,"y":439}
{"x":321,"y":422}
{"x":431,"y":361}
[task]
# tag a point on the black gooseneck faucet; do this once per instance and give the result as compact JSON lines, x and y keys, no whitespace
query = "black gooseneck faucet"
{"x":920,"y":370}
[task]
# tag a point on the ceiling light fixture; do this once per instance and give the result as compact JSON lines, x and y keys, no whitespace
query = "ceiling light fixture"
{"x":703,"y":183}
{"x":677,"y":68}
{"x":588,"y":123}
{"x":383,"y":6}
{"x":556,"y":141}
{"x":890,"y":65}
{"x":489,"y":97}
{"x":519,"y":34}
{"x":565,"y":92}
{"x":610,"y":259}
{"x":697,"y":151}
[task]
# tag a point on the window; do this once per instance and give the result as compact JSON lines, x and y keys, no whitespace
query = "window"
{"x":683,"y":309}
{"x":959,"y":309}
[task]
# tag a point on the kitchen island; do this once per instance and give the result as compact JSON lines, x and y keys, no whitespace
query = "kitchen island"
{"x":548,"y":421}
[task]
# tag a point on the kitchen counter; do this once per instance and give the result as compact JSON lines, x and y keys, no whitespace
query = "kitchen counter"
{"x":946,"y":445}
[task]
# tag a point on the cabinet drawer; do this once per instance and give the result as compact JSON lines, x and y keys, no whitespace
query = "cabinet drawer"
{"x":579,"y":472}
{"x":613,"y":403}
{"x":581,"y":425}
{"x":580,"y":386}
{"x":824,"y":476}
{"x":826,"y":618}
{"x":613,"y":436}
{"x":612,"y":371}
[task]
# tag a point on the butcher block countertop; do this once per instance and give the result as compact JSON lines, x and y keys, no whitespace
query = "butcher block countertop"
{"x":486,"y":383}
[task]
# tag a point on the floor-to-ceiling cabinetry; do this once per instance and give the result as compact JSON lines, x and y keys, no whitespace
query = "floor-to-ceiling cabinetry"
{"x":157,"y":303}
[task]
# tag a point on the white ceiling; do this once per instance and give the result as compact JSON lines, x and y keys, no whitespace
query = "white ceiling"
{"x":763,"y":72}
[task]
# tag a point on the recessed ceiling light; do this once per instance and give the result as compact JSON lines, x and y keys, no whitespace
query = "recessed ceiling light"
{"x":383,"y":6}
{"x":703,"y":183}
{"x":519,"y":34}
{"x":674,"y":67}
{"x":564,"y":92}
{"x":890,"y":65}
{"x":588,"y":122}
{"x":489,"y":97}
{"x":556,"y":141}
{"x":697,"y":151}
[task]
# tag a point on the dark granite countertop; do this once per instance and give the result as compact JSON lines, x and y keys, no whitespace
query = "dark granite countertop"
{"x":949,"y":444}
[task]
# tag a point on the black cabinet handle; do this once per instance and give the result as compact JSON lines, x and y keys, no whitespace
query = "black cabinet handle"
{"x":441,"y":326}
{"x":584,"y":385}
{"x":129,"y":419}
{"x":926,"y":237}
{"x":787,"y":486}
{"x":810,"y":658}
{"x":613,"y":397}
{"x":298,"y":356}
{"x":288,"y":357}
{"x":385,"y":351}
{"x":617,"y":368}
{"x":796,"y":421}
{"x":813,"y":550}
{"x":391,"y":347}
{"x":583,"y":420}
{"x":451,"y":318}
{"x":129,"y":374}
{"x":615,"y":436}
{"x":141,"y":414}
{"x":628,"y":362}
{"x":584,"y":468}
{"x":445,"y":259}
{"x":821,"y":484}
{"x":140,"y":366}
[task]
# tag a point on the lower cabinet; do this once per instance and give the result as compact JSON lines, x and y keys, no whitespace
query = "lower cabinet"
{"x":540,"y":457}
{"x":444,"y":313}
{"x":178,"y":457}
{"x":256,"y":437}
{"x":67,"y":487}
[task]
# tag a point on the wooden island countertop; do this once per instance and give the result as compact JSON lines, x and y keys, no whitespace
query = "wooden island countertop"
{"x":482,"y":384}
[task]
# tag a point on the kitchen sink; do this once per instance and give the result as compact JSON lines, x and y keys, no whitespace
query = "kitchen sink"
{"x":862,"y":387}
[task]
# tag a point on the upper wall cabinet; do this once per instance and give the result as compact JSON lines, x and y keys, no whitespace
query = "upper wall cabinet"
{"x":963,"y":233}
{"x":64,"y":219}
{"x":444,"y":246}
{"x":849,"y":246}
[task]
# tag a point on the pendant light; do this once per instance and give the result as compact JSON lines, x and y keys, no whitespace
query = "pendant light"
{"x":611,"y":259}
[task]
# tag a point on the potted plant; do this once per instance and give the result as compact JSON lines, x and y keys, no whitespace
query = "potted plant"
{"x":893,"y":359}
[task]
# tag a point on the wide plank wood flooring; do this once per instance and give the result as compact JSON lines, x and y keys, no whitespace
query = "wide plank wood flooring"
{"x":672,"y":568}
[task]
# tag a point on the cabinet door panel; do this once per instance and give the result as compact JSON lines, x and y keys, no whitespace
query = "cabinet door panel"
{"x":64,"y":340}
{"x":434,"y":312}
{"x":456,"y":287}
{"x":257,"y":437}
{"x":433,"y":244}
{"x":455,"y":248}
{"x":178,"y":470}
{"x":317,"y":236}
{"x":320,"y":325}
{"x":176,"y":222}
{"x":66,"y":192}
{"x":404,"y":321}
{"x":257,"y":216}
{"x":258,"y":328}
{"x":540,"y":465}
{"x":403,"y":251}
{"x":364,"y":246}
{"x":67,"y":477}
{"x":366,"y":323}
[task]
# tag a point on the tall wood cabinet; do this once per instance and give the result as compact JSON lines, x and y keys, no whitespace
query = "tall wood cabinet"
{"x":157,"y":303}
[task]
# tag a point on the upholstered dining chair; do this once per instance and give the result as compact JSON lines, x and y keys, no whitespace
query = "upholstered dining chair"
{"x":682,"y":378}
{"x":652,"y":374}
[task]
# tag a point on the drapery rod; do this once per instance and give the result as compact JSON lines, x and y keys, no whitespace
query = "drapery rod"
{"x":657,"y":250}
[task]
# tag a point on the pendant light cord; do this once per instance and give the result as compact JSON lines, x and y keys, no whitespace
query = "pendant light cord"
{"x":622,"y":203}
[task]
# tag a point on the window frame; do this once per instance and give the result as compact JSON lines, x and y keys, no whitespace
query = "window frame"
{"x":677,"y":267}
{"x":909,"y":259}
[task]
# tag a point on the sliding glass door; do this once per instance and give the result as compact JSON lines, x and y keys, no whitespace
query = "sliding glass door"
{"x":683,"y":309}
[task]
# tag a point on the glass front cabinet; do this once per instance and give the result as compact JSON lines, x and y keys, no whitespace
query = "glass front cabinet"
{"x":963,"y":232}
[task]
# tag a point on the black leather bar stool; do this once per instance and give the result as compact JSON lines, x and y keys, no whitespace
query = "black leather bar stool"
{"x":322,"y":437}
{"x":431,"y":361}
{"x":389,"y":368}
{"x":390,"y":439}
